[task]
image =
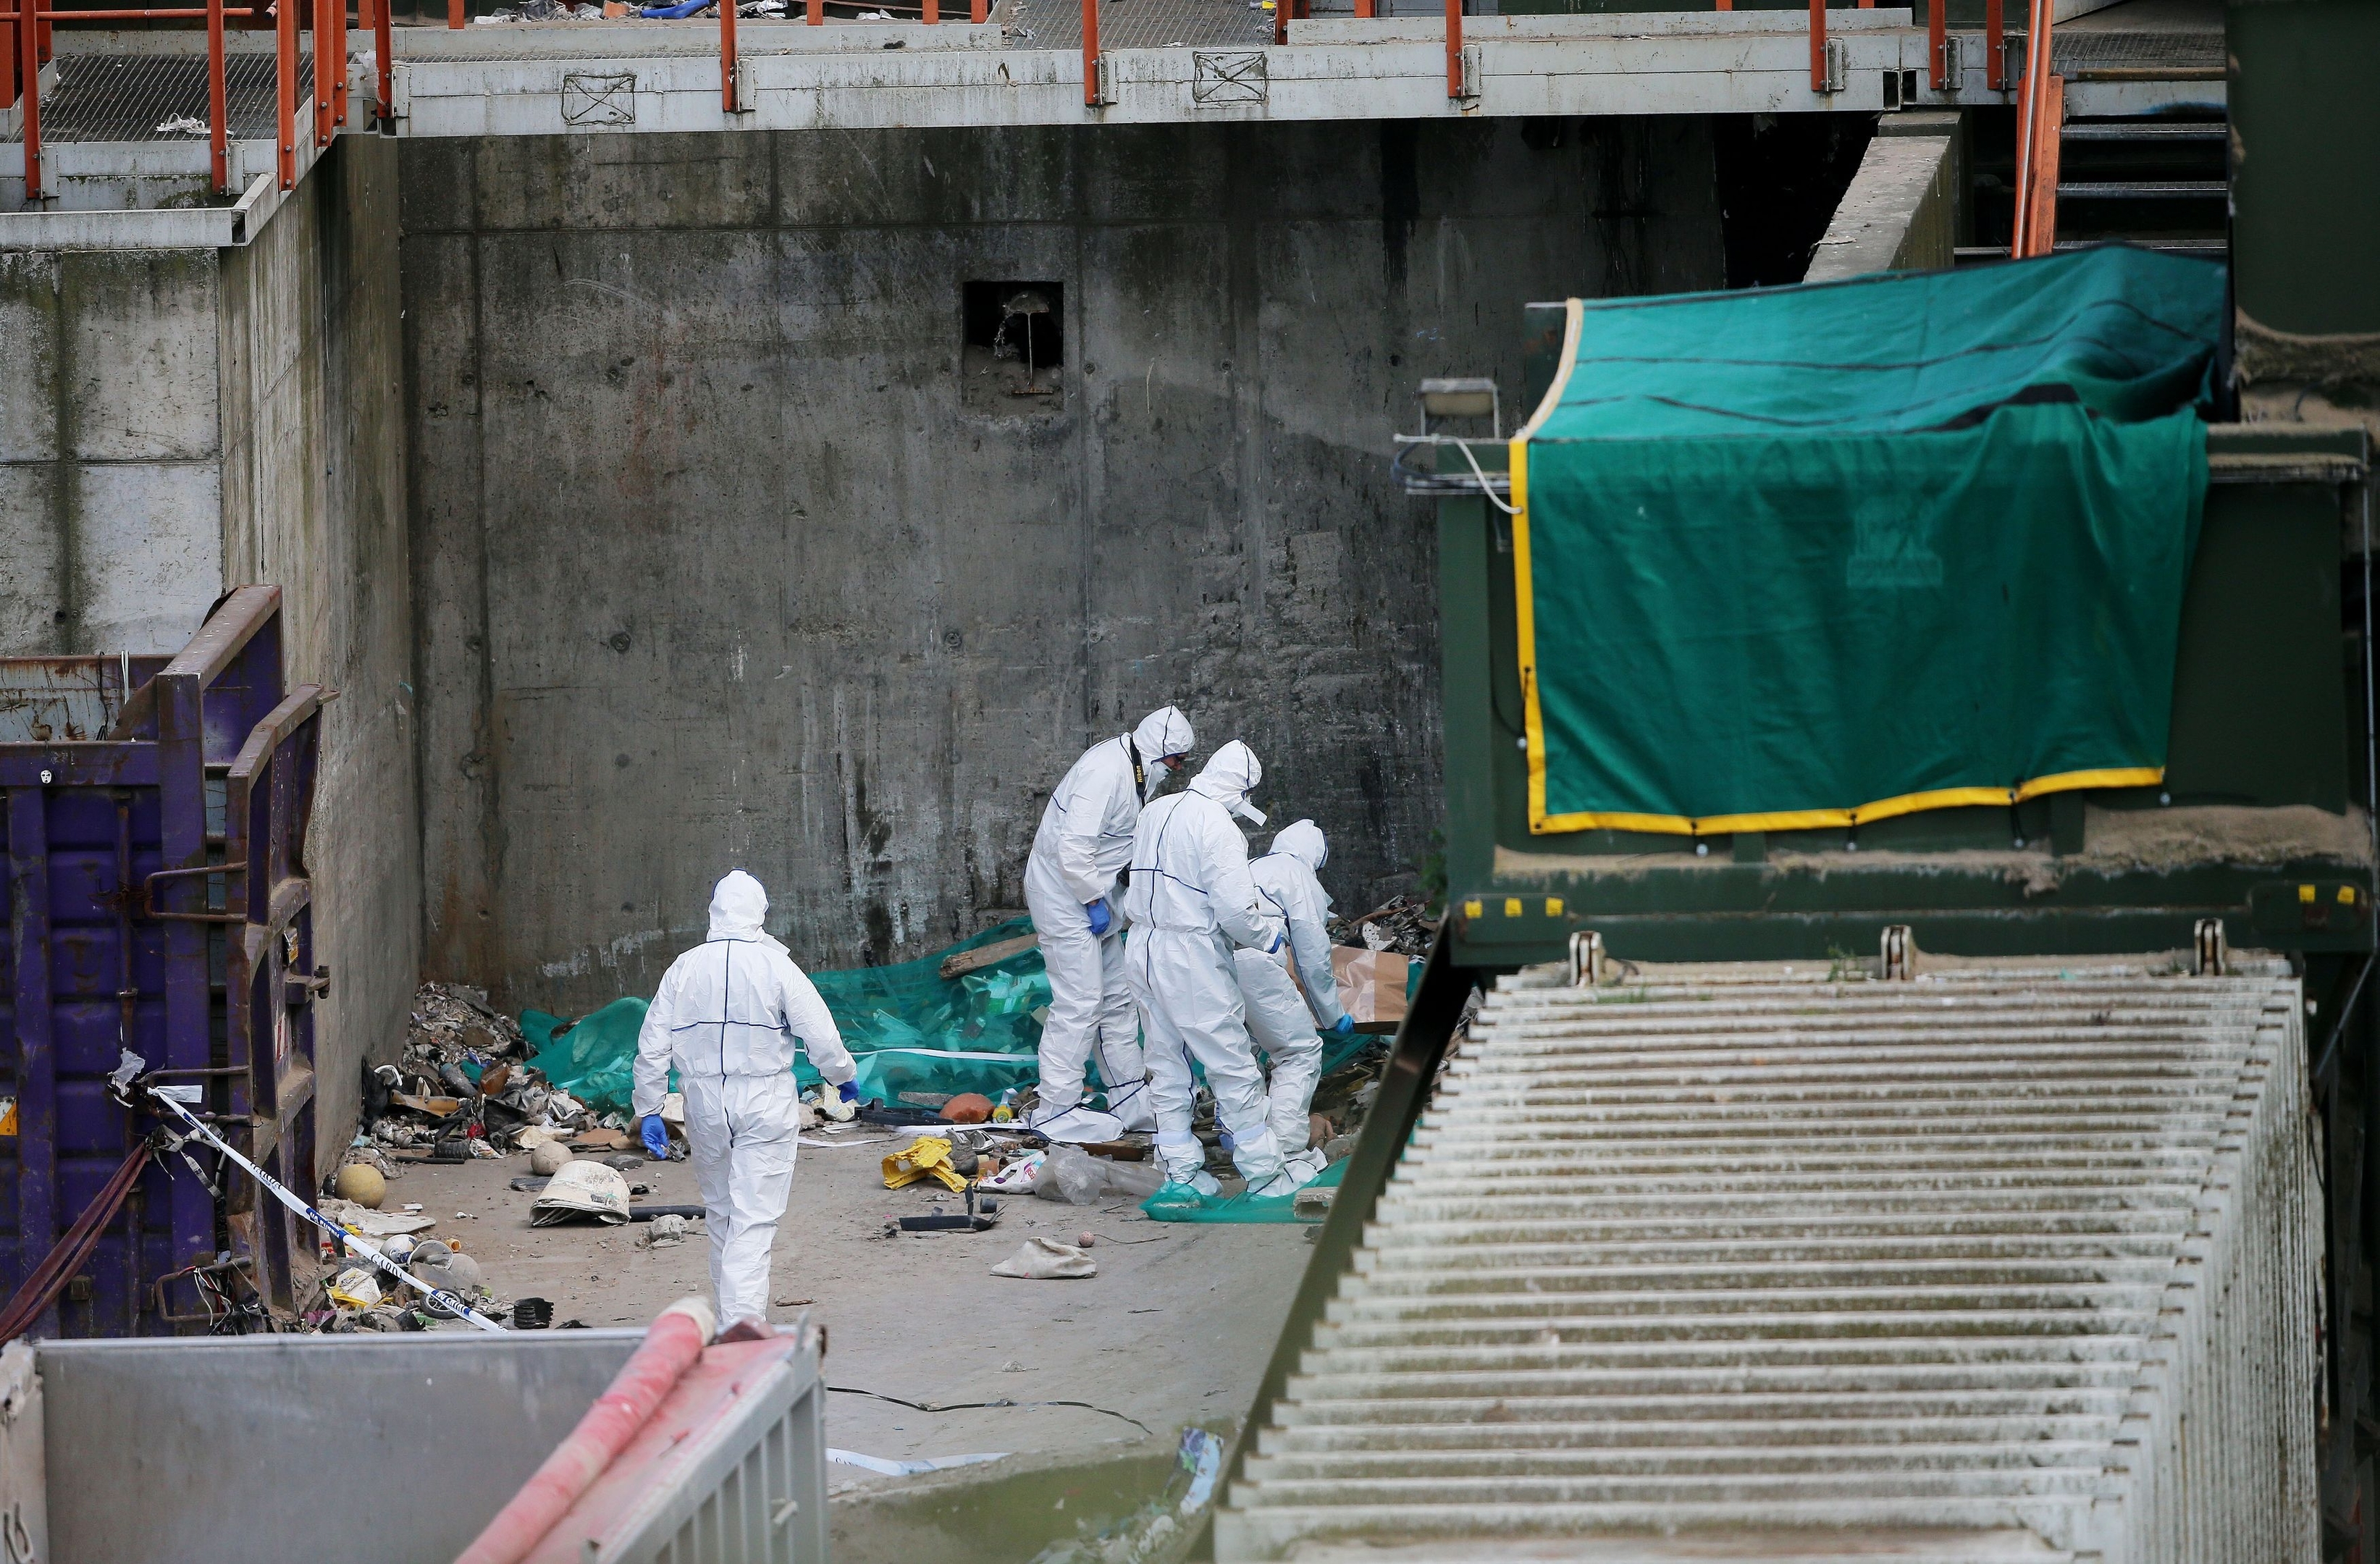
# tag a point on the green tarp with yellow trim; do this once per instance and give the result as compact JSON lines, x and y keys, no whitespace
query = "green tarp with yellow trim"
{"x":1810,"y":556}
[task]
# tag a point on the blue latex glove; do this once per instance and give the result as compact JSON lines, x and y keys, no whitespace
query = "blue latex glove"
{"x":1344,"y":1027}
{"x":656,"y":1135}
{"x":848,"y":1091}
{"x":1101,"y":919}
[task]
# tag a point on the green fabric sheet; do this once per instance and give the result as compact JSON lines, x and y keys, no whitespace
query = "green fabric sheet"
{"x":916,"y":1037}
{"x":1810,"y":556}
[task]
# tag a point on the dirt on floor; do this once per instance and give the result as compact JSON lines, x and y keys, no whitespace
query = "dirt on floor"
{"x":1175,"y":1329}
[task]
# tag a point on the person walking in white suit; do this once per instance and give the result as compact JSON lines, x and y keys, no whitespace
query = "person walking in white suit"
{"x":728,"y":1015}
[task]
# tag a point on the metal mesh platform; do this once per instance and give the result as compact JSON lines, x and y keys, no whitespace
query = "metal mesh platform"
{"x":162,"y":97}
{"x":1145,"y":24}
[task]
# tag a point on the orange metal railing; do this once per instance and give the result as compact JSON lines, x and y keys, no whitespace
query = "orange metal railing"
{"x":26,"y":30}
{"x":2041,"y":113}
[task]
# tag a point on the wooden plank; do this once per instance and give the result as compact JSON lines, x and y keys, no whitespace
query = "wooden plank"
{"x":965,"y":962}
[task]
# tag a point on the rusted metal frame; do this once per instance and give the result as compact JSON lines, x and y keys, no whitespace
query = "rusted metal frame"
{"x":323,"y":70}
{"x":28,"y":80}
{"x":338,"y":64}
{"x":2034,"y":127}
{"x":1454,"y":48}
{"x":36,"y":1061}
{"x":1995,"y":45}
{"x":218,"y":125}
{"x":1937,"y":45}
{"x":383,"y":92}
{"x":84,"y":764}
{"x":1090,"y":54}
{"x":727,"y":56}
{"x":285,"y":124}
{"x":1817,"y":45}
{"x":182,"y":810}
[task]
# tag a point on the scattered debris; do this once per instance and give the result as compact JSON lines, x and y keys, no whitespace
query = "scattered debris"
{"x":1399,"y":924}
{"x":661,"y":1232}
{"x":582,"y":1188}
{"x":1071,"y":1175}
{"x":362,"y":1184}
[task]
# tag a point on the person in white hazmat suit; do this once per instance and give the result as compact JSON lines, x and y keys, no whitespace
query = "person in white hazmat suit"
{"x":728,"y":1015}
{"x":1191,"y":900}
{"x":1083,"y":842}
{"x":1282,"y":1018}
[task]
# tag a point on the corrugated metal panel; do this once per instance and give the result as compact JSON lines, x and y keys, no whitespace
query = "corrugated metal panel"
{"x":2004,"y":1262}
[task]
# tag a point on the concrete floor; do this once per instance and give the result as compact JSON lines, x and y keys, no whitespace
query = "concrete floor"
{"x":1176,"y":1327}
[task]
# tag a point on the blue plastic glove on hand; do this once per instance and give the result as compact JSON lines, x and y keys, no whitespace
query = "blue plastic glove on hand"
{"x":656,"y":1135}
{"x":1345,"y":1026}
{"x":848,"y":1091}
{"x":1101,"y":919}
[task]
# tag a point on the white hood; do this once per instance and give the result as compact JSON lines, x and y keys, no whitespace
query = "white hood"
{"x":1228,"y":778}
{"x":739,"y":908}
{"x":1302,"y":839}
{"x":1163,"y":732}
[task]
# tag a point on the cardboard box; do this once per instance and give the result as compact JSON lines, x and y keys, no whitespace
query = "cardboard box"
{"x":1371,"y":985}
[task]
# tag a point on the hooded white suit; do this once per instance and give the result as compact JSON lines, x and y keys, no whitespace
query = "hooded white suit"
{"x":728,"y":1015}
{"x":1085,"y":842}
{"x":1280,"y":1018}
{"x":1191,"y":900}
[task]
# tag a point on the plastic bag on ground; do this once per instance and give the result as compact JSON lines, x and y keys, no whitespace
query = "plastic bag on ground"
{"x":1074,"y":1176}
{"x":1179,"y":1203}
{"x":1046,"y":1259}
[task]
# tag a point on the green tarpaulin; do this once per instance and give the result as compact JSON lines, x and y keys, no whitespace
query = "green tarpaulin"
{"x":1810,"y":556}
{"x":917,"y":1038}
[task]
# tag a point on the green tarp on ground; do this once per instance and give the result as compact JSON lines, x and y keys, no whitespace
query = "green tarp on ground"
{"x":1810,"y":556}
{"x":916,"y":1037}
{"x":1178,"y":1203}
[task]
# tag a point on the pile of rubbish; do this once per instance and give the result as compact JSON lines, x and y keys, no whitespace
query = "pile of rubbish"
{"x":1401,"y":924}
{"x":465,"y":1085}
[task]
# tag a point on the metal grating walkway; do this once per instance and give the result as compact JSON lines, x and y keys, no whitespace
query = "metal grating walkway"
{"x":162,"y":97}
{"x":2004,"y":1263}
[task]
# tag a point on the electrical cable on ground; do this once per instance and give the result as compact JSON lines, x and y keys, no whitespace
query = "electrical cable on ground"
{"x":969,"y":1406}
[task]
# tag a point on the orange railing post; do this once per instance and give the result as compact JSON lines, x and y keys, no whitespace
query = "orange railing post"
{"x":285,"y":125}
{"x":339,"y":61}
{"x":1995,"y":47}
{"x":8,"y":57}
{"x":1938,"y":44}
{"x":814,"y":12}
{"x":1366,"y":9}
{"x":29,"y":65}
{"x":727,"y":56}
{"x":323,"y":68}
{"x":1090,"y":54}
{"x":979,"y":10}
{"x":1817,"y":45}
{"x":382,"y":48}
{"x":1454,"y":48}
{"x":455,"y":13}
{"x":218,"y":130}
{"x":933,"y":12}
{"x":2032,"y":224}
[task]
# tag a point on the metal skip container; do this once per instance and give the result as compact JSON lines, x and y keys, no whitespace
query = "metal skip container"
{"x":157,"y":901}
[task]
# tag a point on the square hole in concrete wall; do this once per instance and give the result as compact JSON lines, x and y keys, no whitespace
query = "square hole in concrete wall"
{"x":1015,"y":343}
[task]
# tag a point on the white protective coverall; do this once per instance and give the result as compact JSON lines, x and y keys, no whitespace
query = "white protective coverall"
{"x":1281,"y":1019}
{"x":1191,"y":900}
{"x":728,"y":1015}
{"x":1085,"y":842}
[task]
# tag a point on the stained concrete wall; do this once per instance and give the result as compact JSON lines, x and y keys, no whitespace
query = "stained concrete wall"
{"x":176,"y":422}
{"x":716,"y":565}
{"x":313,"y":499}
{"x":110,"y":490}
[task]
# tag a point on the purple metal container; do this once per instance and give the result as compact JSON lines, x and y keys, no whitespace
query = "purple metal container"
{"x":157,"y":901}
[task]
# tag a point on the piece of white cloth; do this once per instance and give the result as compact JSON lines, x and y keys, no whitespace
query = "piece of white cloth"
{"x":1191,"y":900}
{"x":728,"y":1015}
{"x":741,"y":1132}
{"x":1083,"y":841}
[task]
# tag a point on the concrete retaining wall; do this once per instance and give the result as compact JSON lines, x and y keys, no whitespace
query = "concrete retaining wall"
{"x":175,"y":422}
{"x":725,"y":555}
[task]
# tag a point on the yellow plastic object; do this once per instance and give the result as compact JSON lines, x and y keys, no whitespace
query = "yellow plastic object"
{"x":928,"y":1158}
{"x":354,"y":1289}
